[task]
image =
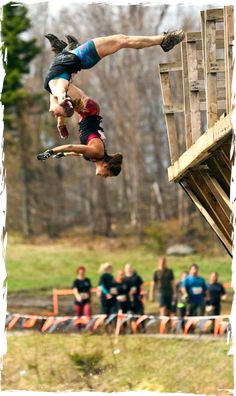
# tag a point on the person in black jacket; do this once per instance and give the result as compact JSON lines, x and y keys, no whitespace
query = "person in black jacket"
{"x":134,"y":282}
{"x":82,"y":292}
{"x":120,"y":290}
{"x":216,"y":293}
{"x":108,"y":301}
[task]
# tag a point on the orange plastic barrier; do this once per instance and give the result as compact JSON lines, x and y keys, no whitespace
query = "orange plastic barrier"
{"x":56,"y":293}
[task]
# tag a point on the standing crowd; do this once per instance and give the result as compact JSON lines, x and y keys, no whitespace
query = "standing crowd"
{"x":190,"y":296}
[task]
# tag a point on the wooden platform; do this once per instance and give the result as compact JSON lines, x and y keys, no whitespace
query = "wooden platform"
{"x":196,"y":96}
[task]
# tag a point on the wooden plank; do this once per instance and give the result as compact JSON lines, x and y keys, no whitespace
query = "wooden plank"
{"x":215,"y":15}
{"x":218,"y":192}
{"x":208,"y":218}
{"x":200,"y":150}
{"x":185,"y":77}
{"x":172,"y":109}
{"x":210,"y":72}
{"x":203,"y":35}
{"x":197,"y":36}
{"x":228,"y":37}
{"x":205,"y":196}
{"x":194,"y":95}
{"x":221,"y":105}
{"x":199,"y":85}
{"x":167,"y":67}
{"x":169,"y":118}
{"x":225,"y":148}
{"x":221,"y":171}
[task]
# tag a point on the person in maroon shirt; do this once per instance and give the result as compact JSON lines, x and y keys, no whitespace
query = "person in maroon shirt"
{"x":92,"y":139}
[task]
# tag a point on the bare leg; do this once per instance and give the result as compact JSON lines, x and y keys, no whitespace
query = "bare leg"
{"x":162,"y":311}
{"x":111,"y":44}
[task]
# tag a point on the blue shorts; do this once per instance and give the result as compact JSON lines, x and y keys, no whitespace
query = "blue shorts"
{"x":88,"y":56}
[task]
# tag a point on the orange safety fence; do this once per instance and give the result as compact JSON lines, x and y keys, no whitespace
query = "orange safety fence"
{"x":66,"y":292}
{"x":218,"y":325}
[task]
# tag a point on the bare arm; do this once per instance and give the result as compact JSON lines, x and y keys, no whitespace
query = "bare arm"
{"x":152,"y":290}
{"x":59,"y":88}
{"x":173,"y":288}
{"x":76,"y":294}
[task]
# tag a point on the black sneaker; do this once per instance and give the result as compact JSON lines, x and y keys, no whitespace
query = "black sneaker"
{"x":72,"y":42}
{"x":45,"y":155}
{"x":171,"y":39}
{"x":56,"y":44}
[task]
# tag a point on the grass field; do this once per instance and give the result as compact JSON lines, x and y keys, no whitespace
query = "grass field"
{"x":46,"y":266}
{"x":35,"y":269}
{"x":61,"y":362}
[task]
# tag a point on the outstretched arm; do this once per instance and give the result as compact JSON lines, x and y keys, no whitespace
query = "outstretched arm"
{"x":59,"y":88}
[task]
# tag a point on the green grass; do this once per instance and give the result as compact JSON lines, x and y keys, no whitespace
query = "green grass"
{"x":43,"y":267}
{"x":60,"y":362}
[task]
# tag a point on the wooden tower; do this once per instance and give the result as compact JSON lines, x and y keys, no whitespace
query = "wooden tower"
{"x":196,"y":96}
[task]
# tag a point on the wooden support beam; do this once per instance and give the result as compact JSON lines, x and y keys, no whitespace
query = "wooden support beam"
{"x":228,"y":38}
{"x":215,"y":15}
{"x":201,"y":149}
{"x":211,"y":68}
{"x":169,"y":117}
{"x":194,"y":95}
{"x":220,"y":195}
{"x":203,"y":192}
{"x":167,"y":67}
{"x":221,"y":105}
{"x":221,"y":170}
{"x":209,"y":219}
{"x":172,"y":109}
{"x":197,"y":36}
{"x":186,"y":90}
{"x":199,"y":85}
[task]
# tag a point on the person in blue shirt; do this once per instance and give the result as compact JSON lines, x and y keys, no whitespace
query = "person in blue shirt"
{"x":194,"y":289}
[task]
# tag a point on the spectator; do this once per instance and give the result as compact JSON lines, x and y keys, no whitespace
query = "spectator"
{"x":120,"y":290}
{"x":134,"y":282}
{"x":108,"y":301}
{"x":181,"y":303}
{"x":163,"y":281}
{"x":82,"y":292}
{"x":216,"y":293}
{"x":194,"y":290}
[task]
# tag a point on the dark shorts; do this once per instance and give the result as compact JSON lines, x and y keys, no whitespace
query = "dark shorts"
{"x":108,"y":307}
{"x":165,"y":301}
{"x":196,"y":309}
{"x":88,"y":54}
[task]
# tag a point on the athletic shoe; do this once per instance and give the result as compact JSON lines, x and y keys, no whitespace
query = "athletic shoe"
{"x":72,"y":42}
{"x":171,"y":39}
{"x":59,"y":155}
{"x":56,"y":44}
{"x":45,"y":155}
